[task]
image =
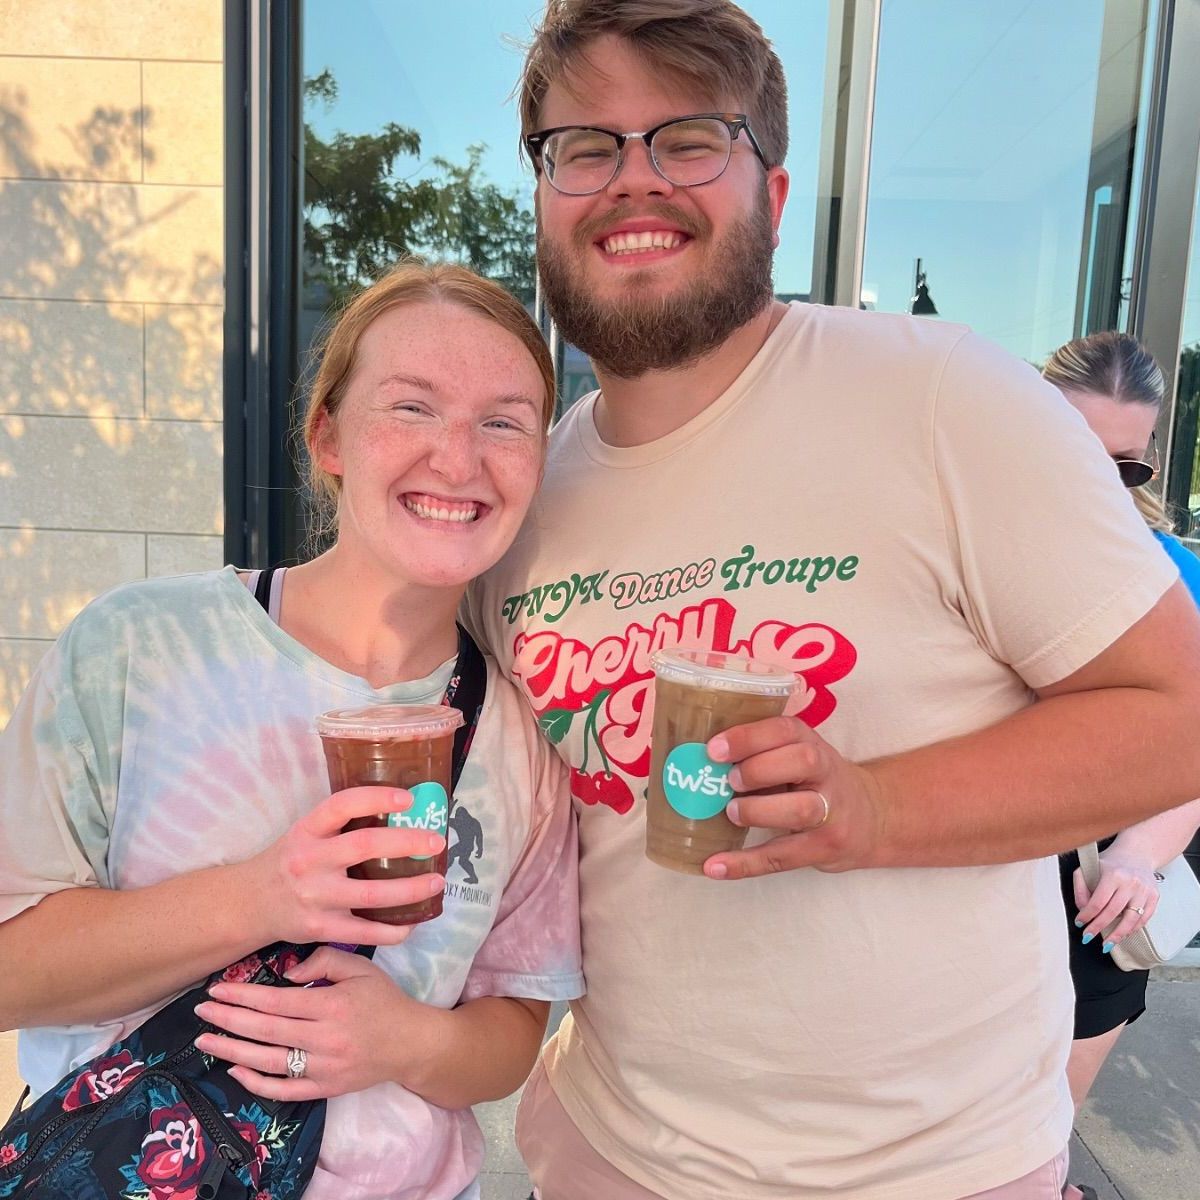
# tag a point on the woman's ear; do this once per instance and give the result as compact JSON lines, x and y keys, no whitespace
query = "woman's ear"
{"x":324,"y":448}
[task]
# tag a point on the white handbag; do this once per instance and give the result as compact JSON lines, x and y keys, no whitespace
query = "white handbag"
{"x":1173,"y":923}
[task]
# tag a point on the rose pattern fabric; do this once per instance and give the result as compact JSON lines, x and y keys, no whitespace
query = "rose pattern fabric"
{"x":173,"y":1154}
{"x":243,"y":971}
{"x":151,"y":1111}
{"x":100,"y":1080}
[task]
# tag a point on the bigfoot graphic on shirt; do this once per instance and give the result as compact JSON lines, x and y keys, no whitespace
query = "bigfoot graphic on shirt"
{"x":469,"y":841}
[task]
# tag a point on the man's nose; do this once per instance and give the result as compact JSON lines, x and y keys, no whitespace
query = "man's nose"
{"x":636,"y":176}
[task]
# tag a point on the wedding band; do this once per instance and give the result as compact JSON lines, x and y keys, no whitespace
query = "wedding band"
{"x":824,"y":815}
{"x":297,"y":1063}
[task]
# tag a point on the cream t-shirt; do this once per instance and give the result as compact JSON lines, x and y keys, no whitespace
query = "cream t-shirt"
{"x":923,"y":529}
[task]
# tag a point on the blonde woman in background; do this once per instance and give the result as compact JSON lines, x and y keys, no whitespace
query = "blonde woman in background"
{"x":1118,"y":388}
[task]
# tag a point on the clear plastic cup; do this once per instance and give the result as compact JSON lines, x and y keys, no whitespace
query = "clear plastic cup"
{"x":403,"y":746}
{"x":698,"y":694}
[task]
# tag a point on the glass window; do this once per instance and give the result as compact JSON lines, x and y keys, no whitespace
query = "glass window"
{"x":1185,"y":454}
{"x":1003,"y":164}
{"x":395,"y":160}
{"x":410,"y":143}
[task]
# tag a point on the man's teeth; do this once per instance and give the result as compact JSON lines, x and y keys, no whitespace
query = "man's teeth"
{"x":634,"y":243}
{"x":438,"y":513}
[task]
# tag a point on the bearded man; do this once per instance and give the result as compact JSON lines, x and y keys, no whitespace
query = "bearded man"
{"x":870,"y":1001}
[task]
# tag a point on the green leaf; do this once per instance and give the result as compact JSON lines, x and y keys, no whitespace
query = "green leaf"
{"x":555,"y":722}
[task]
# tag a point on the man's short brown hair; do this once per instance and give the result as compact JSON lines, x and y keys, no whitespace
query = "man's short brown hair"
{"x":709,"y":45}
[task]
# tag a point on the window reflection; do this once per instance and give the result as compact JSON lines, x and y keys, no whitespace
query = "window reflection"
{"x":395,"y":161}
{"x":1003,"y":158}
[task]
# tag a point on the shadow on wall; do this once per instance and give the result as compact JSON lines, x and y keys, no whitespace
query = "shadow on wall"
{"x":110,"y":314}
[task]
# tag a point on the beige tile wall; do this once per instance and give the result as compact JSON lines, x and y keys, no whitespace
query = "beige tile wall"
{"x":111,"y":292}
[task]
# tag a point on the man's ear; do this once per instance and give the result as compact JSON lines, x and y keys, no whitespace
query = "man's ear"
{"x":324,"y":448}
{"x":778,"y":183}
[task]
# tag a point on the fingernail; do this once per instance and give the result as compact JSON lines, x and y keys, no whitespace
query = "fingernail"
{"x":1108,"y":947}
{"x":718,"y":871}
{"x":735,"y":779}
{"x":402,"y":798}
{"x":731,"y":811}
{"x":1078,"y":923}
{"x":436,"y":884}
{"x":718,"y":748}
{"x":201,"y":1008}
{"x":1087,"y":937}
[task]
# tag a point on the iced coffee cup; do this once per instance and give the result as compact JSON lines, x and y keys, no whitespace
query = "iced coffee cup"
{"x":401,"y":746}
{"x":698,"y":694}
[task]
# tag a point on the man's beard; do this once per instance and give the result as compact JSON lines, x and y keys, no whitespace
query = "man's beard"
{"x":640,"y":333}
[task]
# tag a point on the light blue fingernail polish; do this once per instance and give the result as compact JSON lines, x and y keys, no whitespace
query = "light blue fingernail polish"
{"x":1087,"y":937}
{"x":1078,"y":923}
{"x":1108,"y":946}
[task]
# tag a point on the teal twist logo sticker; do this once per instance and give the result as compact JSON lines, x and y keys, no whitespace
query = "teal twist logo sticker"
{"x":428,"y":811}
{"x":695,"y":786}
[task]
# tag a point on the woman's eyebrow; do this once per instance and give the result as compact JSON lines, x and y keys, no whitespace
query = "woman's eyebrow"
{"x":517,"y":398}
{"x":417,"y":381}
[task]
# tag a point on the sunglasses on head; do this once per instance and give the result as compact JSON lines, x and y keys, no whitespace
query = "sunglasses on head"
{"x":1136,"y":471}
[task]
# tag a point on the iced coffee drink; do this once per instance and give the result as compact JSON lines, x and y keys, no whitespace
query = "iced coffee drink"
{"x":698,"y":694}
{"x":401,"y":746}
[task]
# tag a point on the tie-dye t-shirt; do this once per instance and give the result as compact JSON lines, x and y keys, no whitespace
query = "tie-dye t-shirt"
{"x":188,"y":695}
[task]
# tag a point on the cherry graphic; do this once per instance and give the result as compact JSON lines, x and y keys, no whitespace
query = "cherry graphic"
{"x":583,"y":786}
{"x":602,"y":787}
{"x":612,"y":790}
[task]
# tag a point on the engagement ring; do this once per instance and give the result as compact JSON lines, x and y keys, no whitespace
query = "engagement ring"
{"x":297,"y":1063}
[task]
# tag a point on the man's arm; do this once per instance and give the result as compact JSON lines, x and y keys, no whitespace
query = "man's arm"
{"x":1103,"y":749}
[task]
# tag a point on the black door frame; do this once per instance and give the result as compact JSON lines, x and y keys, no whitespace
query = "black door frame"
{"x":263,"y":152}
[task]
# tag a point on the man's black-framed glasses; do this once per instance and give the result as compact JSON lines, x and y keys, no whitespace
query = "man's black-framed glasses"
{"x":580,"y":160}
{"x":1136,"y":471}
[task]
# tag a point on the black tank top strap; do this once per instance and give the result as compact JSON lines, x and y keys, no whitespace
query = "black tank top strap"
{"x":262,"y":587}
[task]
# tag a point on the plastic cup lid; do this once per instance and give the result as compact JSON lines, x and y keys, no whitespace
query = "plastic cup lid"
{"x":721,"y":670}
{"x":404,"y":722}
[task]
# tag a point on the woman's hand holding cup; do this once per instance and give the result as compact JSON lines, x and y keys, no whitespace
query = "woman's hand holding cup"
{"x":303,"y":878}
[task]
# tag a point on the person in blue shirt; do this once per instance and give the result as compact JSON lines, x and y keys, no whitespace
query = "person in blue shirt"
{"x":1118,"y":388}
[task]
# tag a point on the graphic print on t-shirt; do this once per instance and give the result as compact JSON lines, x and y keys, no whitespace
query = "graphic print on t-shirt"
{"x":596,"y":695}
{"x":468,"y":841}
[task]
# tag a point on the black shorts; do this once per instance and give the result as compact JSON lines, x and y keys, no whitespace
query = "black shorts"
{"x":1105,"y":996}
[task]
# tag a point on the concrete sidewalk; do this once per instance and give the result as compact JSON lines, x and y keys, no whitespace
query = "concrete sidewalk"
{"x":1137,"y":1139}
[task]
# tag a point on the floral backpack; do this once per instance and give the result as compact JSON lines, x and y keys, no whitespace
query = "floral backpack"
{"x":153,"y":1118}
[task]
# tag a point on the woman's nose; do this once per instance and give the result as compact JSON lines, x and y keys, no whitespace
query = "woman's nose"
{"x":456,"y":455}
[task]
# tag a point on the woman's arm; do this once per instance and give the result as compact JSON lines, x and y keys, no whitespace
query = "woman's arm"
{"x":92,"y":954}
{"x":1158,"y":839}
{"x":1127,"y":883}
{"x":483,"y":1050}
{"x":366,"y":1030}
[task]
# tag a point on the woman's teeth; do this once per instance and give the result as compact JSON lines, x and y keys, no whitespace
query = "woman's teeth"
{"x":458,"y":513}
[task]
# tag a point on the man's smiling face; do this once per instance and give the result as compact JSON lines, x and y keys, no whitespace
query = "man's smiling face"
{"x":644,"y":275}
